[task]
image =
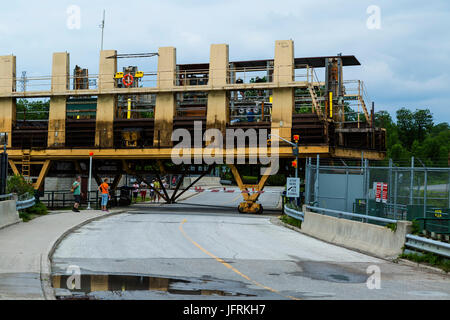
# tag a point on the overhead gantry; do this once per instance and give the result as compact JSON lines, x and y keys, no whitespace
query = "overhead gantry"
{"x":127,"y":117}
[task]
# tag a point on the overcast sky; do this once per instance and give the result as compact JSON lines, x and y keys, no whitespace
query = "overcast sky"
{"x":405,"y":62}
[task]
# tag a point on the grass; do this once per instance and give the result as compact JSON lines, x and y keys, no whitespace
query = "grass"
{"x":289,"y":220}
{"x":428,"y":258}
{"x":39,"y":209}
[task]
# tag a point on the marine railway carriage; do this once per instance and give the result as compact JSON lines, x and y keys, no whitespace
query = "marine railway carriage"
{"x":126,"y":117}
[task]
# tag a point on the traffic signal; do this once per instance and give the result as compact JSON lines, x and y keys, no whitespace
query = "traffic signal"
{"x":296,"y":138}
{"x":294,"y":164}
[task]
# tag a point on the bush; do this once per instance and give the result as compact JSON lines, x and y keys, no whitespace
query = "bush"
{"x":17,"y":184}
{"x":39,"y":209}
{"x":277,"y":180}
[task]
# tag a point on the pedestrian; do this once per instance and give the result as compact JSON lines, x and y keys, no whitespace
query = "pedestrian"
{"x":157,"y":188}
{"x":143,"y":191}
{"x":76,"y":189}
{"x":152,"y":191}
{"x":104,"y":189}
{"x":135,"y":191}
{"x":174,"y":182}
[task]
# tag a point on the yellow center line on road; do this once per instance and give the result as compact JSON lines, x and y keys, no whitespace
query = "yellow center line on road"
{"x":230,"y":266}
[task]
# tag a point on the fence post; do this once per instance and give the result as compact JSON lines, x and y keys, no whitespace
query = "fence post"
{"x":346,"y":189}
{"x":448,"y":189}
{"x":390,"y":185}
{"x":411,"y":186}
{"x":425,"y":193}
{"x":316,"y":186}
{"x":395,"y":193}
{"x":307,"y":181}
{"x":366,"y":166}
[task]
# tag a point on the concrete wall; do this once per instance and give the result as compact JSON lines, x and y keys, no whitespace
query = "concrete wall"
{"x":372,"y":239}
{"x":206,"y":181}
{"x":8,"y":213}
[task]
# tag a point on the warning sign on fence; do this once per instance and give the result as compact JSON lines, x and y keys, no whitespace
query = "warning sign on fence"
{"x":381,"y":191}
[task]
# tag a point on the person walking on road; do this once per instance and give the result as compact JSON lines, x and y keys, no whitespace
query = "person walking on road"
{"x":135,"y":191}
{"x":157,"y":188}
{"x":104,"y":189}
{"x":143,"y":191}
{"x":76,"y":189}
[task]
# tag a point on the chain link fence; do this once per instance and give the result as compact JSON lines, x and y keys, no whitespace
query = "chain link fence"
{"x":385,"y":189}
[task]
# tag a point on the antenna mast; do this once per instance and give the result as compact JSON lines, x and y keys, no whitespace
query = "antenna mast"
{"x":102,"y":26}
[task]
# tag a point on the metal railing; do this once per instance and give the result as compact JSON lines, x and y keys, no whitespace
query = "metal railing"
{"x":427,"y":245}
{"x":6,"y":196}
{"x":21,"y":205}
{"x":294,"y":213}
{"x":341,"y":214}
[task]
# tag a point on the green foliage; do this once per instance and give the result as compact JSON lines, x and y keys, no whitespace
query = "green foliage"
{"x":415,"y":134}
{"x":415,"y":228}
{"x":32,"y":110}
{"x":428,"y":258}
{"x":289,"y":220}
{"x":39,"y":209}
{"x":392,"y":226}
{"x":17,"y":184}
{"x":277,"y":180}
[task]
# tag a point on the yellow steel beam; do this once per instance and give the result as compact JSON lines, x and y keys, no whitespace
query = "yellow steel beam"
{"x":155,"y":153}
{"x":42,"y":174}
{"x":355,"y":154}
{"x":14,"y":168}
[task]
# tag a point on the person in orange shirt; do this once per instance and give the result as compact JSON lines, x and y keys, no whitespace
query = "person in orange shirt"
{"x":104,"y":189}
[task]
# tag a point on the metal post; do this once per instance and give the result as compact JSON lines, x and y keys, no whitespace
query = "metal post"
{"x":390,"y":185}
{"x":89,"y":184}
{"x":3,"y":170}
{"x":346,"y":190}
{"x":448,"y":186}
{"x":395,"y":194}
{"x":411,"y":185}
{"x":366,"y":166}
{"x":316,"y":185}
{"x":425,"y":193}
{"x":307,"y":180}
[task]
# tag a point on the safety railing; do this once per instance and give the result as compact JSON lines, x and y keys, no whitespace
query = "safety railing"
{"x":344,"y":214}
{"x":294,"y":213}
{"x":427,"y":245}
{"x":6,"y":196}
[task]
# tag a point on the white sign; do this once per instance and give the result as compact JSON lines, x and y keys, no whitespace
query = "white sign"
{"x":293,"y":188}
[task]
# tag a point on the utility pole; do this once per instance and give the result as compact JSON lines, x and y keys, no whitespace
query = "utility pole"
{"x":89,"y":181}
{"x":102,"y":26}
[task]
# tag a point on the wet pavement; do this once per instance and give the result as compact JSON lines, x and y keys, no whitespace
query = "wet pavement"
{"x":201,"y":255}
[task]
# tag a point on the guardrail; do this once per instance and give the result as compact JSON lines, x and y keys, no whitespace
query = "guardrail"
{"x":353,"y":215}
{"x":428,"y":245}
{"x":294,"y":213}
{"x":20,"y":205}
{"x":6,"y":196}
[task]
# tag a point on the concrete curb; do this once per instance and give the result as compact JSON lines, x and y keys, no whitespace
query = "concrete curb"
{"x":46,"y":259}
{"x":11,"y":224}
{"x":277,"y":221}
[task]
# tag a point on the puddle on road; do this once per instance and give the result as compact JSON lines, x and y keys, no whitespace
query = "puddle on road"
{"x":330,"y":272}
{"x":128,"y":283}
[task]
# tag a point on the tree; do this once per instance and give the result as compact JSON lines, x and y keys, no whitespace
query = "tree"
{"x":405,"y":125}
{"x":423,"y":123}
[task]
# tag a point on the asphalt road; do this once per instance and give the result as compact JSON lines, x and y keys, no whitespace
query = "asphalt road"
{"x":208,"y":255}
{"x":270,"y":199}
